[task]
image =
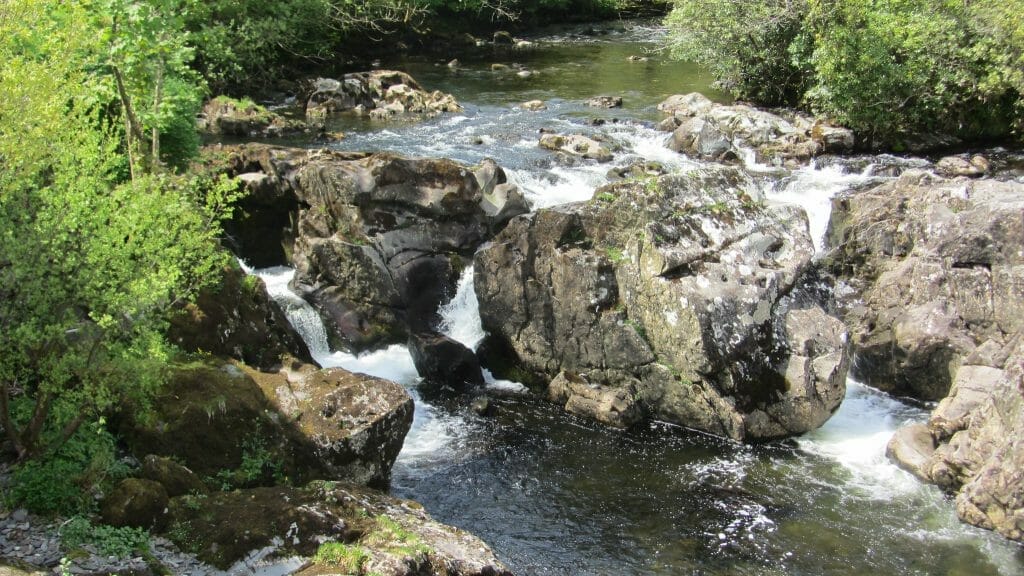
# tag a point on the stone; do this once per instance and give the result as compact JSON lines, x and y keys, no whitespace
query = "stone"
{"x":534,"y":105}
{"x":237,"y":319}
{"x":576,"y":145}
{"x":301,"y":422}
{"x":394,"y":533}
{"x":136,"y":502}
{"x":176,"y":479}
{"x":377,"y":240}
{"x":380,"y":94}
{"x":934,"y":307}
{"x":444,"y":362}
{"x":481,"y":406}
{"x":954,"y":166}
{"x":229,"y":117}
{"x":605,"y":102}
{"x":670,"y":299}
{"x":911,"y":448}
{"x":710,"y":131}
{"x":503,"y":37}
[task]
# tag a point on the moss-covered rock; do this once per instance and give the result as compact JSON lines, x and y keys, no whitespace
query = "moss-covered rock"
{"x":236,"y":318}
{"x":136,"y":502}
{"x":366,"y":531}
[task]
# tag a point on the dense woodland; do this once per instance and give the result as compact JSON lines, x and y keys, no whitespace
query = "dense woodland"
{"x":104,"y":230}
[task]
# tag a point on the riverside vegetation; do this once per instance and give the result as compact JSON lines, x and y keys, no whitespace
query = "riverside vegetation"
{"x":113,"y":277}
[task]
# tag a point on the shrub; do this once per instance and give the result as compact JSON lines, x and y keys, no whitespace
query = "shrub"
{"x":746,"y":45}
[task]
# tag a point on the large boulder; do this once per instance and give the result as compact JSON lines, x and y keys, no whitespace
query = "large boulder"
{"x":236,"y":318}
{"x":710,"y":131}
{"x":675,"y":297}
{"x":377,"y":240}
{"x":934,"y":275}
{"x":242,"y":427}
{"x":443,"y":362}
{"x":135,"y":502}
{"x":378,"y":93}
{"x":936,"y":268}
{"x":385,"y":534}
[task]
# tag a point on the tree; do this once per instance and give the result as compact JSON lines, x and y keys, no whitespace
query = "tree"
{"x":90,"y":261}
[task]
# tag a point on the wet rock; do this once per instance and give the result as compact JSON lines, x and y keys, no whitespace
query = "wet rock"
{"x":136,"y":502}
{"x":635,"y":58}
{"x":523,"y":44}
{"x":525,"y":73}
{"x":481,"y":405}
{"x":716,"y":132}
{"x":287,"y":521}
{"x":444,"y":362}
{"x":534,"y":105}
{"x":936,"y":266}
{"x":237,"y":318}
{"x":639,"y":169}
{"x":499,"y":67}
{"x":613,"y":406}
{"x":671,"y":298}
{"x":378,"y":240}
{"x":576,"y":145}
{"x":971,"y":167}
{"x":175,"y":478}
{"x":605,"y":102}
{"x":911,"y":448}
{"x":244,"y":118}
{"x":503,"y":37}
{"x":378,"y":93}
{"x":453,"y":64}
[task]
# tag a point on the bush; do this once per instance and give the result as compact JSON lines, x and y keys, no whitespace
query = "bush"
{"x":119,"y":542}
{"x":890,"y":70}
{"x":746,"y":45}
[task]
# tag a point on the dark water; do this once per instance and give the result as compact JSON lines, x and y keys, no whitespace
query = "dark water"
{"x":553,"y":494}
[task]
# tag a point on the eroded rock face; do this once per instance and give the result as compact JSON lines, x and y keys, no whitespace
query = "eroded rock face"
{"x":378,"y":241}
{"x":393,"y":536}
{"x":379,"y":93}
{"x":936,"y":280}
{"x":936,"y":268}
{"x":710,"y":131}
{"x":302,"y":423}
{"x":668,"y":297}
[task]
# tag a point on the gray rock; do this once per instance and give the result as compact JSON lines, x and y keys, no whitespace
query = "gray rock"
{"x":911,"y":448}
{"x":576,"y":145}
{"x":971,"y":167}
{"x":717,"y":132}
{"x":444,"y":362}
{"x":668,"y":299}
{"x":377,"y":240}
{"x":605,"y":102}
{"x":379,"y":93}
{"x":534,"y":105}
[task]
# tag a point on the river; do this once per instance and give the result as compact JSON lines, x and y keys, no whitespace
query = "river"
{"x":555,"y":494}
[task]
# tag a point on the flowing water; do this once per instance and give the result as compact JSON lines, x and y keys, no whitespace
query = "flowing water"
{"x":554,"y":494}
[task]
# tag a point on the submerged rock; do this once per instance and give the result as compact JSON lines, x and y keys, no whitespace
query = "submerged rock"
{"x":672,"y":298}
{"x":378,"y":93}
{"x":377,"y":240}
{"x":710,"y":131}
{"x":936,"y":269}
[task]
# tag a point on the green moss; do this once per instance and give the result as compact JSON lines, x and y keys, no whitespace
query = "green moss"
{"x":394,"y":538}
{"x":346,"y":557}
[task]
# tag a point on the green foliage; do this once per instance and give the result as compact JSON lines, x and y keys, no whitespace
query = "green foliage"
{"x":90,"y":261}
{"x":745,"y":44}
{"x":108,"y":540}
{"x":393,"y":537}
{"x":615,"y":254}
{"x":890,"y":70}
{"x":259,"y":466}
{"x":347,"y":558}
{"x":64,"y":482}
